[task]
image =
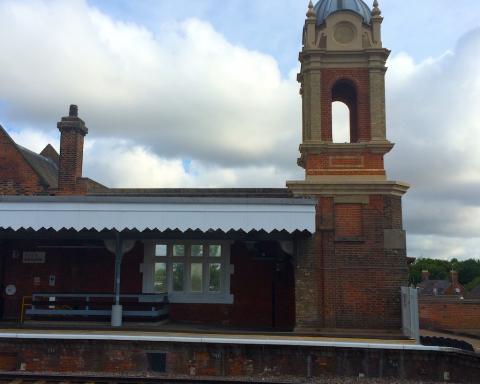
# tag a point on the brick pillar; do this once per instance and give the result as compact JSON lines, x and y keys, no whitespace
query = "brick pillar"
{"x":394,"y":266}
{"x":326,"y":252}
{"x":308,"y":315}
{"x":72,"y":132}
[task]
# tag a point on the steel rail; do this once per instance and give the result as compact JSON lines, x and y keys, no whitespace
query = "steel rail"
{"x":40,"y":378}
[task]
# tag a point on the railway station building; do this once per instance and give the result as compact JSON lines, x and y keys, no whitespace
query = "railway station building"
{"x":325,"y":252}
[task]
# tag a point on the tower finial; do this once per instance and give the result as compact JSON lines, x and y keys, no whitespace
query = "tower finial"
{"x":311,"y":12}
{"x":376,"y":10}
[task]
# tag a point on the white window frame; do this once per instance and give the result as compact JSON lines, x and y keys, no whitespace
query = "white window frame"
{"x":186,"y":296}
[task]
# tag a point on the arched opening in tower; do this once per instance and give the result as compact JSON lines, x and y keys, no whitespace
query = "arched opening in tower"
{"x":340,"y":122}
{"x":344,"y":122}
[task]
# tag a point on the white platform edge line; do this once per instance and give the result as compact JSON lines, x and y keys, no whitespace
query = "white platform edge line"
{"x":223,"y":340}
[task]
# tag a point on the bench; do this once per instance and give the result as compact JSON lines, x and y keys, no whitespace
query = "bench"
{"x":151,"y":306}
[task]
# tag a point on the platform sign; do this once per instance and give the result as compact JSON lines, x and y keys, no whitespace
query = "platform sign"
{"x":33,"y":257}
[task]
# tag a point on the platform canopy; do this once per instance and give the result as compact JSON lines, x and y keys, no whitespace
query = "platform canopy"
{"x":157,"y":213}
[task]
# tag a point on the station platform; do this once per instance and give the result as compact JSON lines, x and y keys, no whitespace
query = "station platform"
{"x":190,"y":351}
{"x":168,"y":326}
{"x":187,"y":333}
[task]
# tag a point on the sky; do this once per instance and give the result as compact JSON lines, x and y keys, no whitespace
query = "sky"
{"x":203,"y":93}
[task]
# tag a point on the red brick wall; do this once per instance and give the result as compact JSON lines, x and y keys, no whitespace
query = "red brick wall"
{"x":348,"y":220}
{"x":92,"y":270}
{"x":358,"y":279}
{"x":345,"y":164}
{"x":16,"y":175}
{"x":360,"y":79}
{"x":75,"y":270}
{"x":233,"y":362}
{"x":449,"y":313}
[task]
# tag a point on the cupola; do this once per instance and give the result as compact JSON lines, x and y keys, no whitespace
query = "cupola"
{"x":325,"y":8}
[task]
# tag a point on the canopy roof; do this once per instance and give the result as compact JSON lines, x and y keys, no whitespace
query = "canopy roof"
{"x":157,"y":213}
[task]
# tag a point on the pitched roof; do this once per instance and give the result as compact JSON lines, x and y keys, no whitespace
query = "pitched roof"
{"x":433,"y":287}
{"x":50,"y":153}
{"x":45,"y":168}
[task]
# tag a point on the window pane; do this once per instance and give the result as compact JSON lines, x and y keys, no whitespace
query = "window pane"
{"x":215,"y":251}
{"x":179,"y":250}
{"x":196,"y":273}
{"x":160,"y":283}
{"x":197,"y":250}
{"x":177,"y":276}
{"x":215,"y":275}
{"x":160,"y":250}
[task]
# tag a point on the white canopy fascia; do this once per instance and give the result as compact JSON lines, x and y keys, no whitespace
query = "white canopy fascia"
{"x":225,"y":214}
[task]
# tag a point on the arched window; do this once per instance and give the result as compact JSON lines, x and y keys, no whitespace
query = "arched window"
{"x":344,"y":92}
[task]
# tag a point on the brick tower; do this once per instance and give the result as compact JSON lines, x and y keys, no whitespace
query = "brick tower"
{"x":350,"y":274}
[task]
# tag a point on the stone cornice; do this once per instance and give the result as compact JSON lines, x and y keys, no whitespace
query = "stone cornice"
{"x":354,"y":187}
{"x":382,"y":147}
{"x":321,"y":58}
{"x":382,"y":52}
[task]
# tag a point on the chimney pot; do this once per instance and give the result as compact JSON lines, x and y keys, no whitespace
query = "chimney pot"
{"x":73,"y":111}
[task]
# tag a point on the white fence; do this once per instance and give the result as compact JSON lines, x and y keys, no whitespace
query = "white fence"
{"x":410,"y":318}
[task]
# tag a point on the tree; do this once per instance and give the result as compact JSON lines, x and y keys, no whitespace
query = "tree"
{"x":468,"y":270}
{"x":473,"y":284}
{"x":438,"y":269}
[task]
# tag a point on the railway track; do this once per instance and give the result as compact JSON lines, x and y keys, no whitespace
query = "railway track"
{"x":27,"y":378}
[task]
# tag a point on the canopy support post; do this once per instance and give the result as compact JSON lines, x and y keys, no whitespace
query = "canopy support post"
{"x":116,"y":319}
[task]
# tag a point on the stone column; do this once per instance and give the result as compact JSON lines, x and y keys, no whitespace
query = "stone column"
{"x":377,"y":104}
{"x":311,"y":104}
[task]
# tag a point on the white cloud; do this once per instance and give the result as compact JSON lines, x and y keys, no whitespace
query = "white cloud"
{"x":185,"y":92}
{"x":34,"y":139}
{"x":432,"y":111}
{"x":122,"y":163}
{"x":439,"y":247}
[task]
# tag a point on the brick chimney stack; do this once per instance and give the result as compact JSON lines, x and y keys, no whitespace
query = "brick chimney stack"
{"x":454,"y":277}
{"x":425,"y":275}
{"x":72,"y":132}
{"x":455,"y":287}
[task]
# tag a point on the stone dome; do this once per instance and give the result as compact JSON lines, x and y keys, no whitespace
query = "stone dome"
{"x":325,"y":8}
